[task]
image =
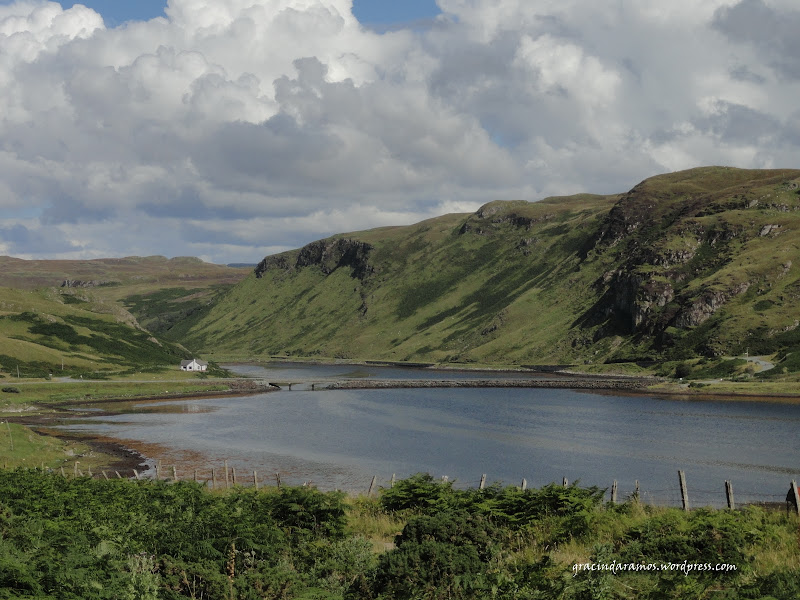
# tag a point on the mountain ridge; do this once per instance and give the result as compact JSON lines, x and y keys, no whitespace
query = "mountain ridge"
{"x":671,"y":269}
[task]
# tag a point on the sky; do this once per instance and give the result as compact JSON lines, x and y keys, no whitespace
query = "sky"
{"x":233,"y":129}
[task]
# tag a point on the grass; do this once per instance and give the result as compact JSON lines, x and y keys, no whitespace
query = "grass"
{"x":22,"y":447}
{"x":37,"y":397}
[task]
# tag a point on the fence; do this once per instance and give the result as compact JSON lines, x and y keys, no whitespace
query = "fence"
{"x":680,"y":495}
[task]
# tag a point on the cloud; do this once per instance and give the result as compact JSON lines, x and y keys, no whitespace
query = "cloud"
{"x":770,"y":28}
{"x":229,"y":128}
{"x":19,"y":240}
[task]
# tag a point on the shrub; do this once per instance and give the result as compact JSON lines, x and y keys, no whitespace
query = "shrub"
{"x":448,"y":554}
{"x":419,"y":492}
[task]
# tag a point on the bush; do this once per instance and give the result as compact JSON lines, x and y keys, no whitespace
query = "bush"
{"x":420,"y":492}
{"x":448,"y":554}
{"x":704,"y":536}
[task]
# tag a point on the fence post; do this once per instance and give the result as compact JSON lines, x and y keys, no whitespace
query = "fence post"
{"x":234,"y":476}
{"x":445,"y":478}
{"x":105,"y":476}
{"x":524,"y":485}
{"x":372,"y":485}
{"x":135,"y":473}
{"x":566,"y":483}
{"x":394,"y":478}
{"x":278,"y":479}
{"x":227,"y":476}
{"x":255,"y":480}
{"x":118,"y":475}
{"x":195,"y":475}
{"x":483,"y":482}
{"x":729,"y":494}
{"x":174,"y":473}
{"x":213,"y":479}
{"x":684,"y":493}
{"x":614,"y":492}
{"x":796,"y":497}
{"x":158,"y":470}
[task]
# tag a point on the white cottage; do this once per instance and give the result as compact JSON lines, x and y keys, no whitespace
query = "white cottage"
{"x":194,"y":365}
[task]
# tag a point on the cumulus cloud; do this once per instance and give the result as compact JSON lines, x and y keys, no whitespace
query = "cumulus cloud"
{"x":232,"y":128}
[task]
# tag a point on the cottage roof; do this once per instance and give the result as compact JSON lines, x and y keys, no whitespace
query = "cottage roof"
{"x":202,"y":363}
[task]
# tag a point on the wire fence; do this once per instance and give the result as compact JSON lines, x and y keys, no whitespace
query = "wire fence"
{"x":224,"y":476}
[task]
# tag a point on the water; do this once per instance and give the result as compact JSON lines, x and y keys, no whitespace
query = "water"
{"x":341,"y":438}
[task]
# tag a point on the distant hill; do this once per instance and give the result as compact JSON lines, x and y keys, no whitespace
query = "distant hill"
{"x":704,"y":262}
{"x":70,"y":317}
{"x":132,"y":270}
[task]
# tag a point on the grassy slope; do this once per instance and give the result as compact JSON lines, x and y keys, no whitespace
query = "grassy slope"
{"x":520,"y":283}
{"x":436,"y":293}
{"x":88,"y":329}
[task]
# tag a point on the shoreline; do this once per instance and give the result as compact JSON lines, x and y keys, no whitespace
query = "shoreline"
{"x":123,"y":457}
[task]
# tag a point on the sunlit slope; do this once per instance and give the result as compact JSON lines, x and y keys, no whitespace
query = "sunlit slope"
{"x":49,"y":331}
{"x":101,"y":315}
{"x":698,"y":262}
{"x":454,"y":288}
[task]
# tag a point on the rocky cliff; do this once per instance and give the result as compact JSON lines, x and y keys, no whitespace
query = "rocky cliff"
{"x":328,"y":255}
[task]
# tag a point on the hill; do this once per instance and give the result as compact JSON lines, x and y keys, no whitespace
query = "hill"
{"x":71,"y":317}
{"x":697,"y":263}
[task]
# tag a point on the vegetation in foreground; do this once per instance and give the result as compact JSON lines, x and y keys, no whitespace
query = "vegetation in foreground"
{"x":84,"y":538}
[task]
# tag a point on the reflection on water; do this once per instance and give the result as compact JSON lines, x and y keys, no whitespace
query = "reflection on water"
{"x":341,"y":438}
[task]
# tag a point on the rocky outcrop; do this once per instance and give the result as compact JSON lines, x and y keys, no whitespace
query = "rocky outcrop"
{"x":633,"y":299}
{"x":700,"y":308}
{"x":631,"y":213}
{"x":493,"y":215}
{"x":328,"y":255}
{"x":76,"y":283}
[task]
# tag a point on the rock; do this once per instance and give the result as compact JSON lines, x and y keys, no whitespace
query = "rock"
{"x":77,"y":283}
{"x":328,"y":255}
{"x":767,"y":229}
{"x":701,"y":308}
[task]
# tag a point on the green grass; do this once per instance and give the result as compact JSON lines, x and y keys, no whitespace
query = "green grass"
{"x":37,"y":397}
{"x":22,"y":447}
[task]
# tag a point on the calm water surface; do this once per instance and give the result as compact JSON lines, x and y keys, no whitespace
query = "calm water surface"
{"x":341,"y":438}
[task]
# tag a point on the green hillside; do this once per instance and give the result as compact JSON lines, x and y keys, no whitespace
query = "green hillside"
{"x":45,"y":332}
{"x":95,"y":317}
{"x":696,"y":263}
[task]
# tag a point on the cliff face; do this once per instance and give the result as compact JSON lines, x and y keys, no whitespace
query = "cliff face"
{"x":676,"y":246}
{"x":328,"y":255}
